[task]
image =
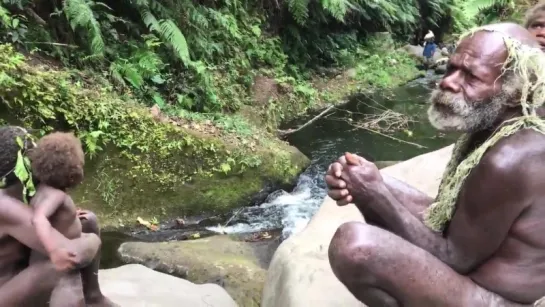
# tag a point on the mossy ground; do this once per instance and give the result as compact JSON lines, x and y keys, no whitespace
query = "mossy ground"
{"x":141,"y":163}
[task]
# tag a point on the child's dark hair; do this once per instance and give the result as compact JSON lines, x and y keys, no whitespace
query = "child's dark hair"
{"x":9,"y":149}
{"x":58,"y":160}
{"x":533,"y":13}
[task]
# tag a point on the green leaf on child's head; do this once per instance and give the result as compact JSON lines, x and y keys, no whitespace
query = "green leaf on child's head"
{"x":20,"y":142}
{"x":20,"y":169}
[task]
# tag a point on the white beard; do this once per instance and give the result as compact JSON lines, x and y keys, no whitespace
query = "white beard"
{"x":449,"y":112}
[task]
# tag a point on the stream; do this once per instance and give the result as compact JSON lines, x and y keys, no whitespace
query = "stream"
{"x":324,"y":141}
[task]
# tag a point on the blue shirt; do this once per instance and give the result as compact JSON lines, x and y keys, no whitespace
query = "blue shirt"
{"x":429,"y":49}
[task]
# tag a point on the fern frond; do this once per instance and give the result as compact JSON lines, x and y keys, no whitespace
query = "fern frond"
{"x":5,"y":17}
{"x":472,"y":8}
{"x":80,"y":15}
{"x":299,"y":10}
{"x":121,"y":71}
{"x":337,"y":8}
{"x":172,"y":34}
{"x":169,"y":33}
{"x":149,"y":19}
{"x":18,"y":3}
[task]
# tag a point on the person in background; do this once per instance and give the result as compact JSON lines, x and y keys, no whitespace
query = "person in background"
{"x":429,"y":48}
{"x":535,"y":23}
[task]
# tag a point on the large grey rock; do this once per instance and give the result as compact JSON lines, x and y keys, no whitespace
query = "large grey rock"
{"x":417,"y":52}
{"x":135,"y":285}
{"x":300,"y":274}
{"x":239,"y":267}
{"x":441,"y":69}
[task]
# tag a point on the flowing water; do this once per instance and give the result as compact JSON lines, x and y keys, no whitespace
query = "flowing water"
{"x":323,"y":142}
{"x":328,"y":138}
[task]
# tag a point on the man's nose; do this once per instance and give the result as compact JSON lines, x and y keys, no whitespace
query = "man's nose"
{"x":451,"y":83}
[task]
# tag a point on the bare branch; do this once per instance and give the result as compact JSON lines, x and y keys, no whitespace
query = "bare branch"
{"x":284,"y":133}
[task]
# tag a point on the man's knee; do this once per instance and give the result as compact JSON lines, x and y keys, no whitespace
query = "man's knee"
{"x":354,"y":247}
{"x":89,"y":222}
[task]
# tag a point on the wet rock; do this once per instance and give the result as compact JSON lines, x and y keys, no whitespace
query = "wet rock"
{"x":238,"y":266}
{"x":164,"y":235}
{"x":417,"y":52}
{"x":300,"y":275}
{"x":351,"y":73}
{"x":383,"y":164}
{"x":134,"y":285}
{"x":441,"y":69}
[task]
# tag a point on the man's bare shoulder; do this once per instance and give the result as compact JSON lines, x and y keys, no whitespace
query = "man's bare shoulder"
{"x":12,"y":211}
{"x":46,"y":192}
{"x":519,"y":156}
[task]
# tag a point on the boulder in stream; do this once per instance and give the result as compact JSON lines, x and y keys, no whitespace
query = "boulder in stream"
{"x":300,"y":275}
{"x":417,"y":52}
{"x":135,"y":285}
{"x":441,"y":69}
{"x":238,"y":266}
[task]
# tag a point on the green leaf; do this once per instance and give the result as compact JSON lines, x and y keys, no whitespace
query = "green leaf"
{"x":158,"y":100}
{"x":20,"y":142}
{"x":20,"y":168}
{"x":225,"y":167}
{"x":157,"y":79}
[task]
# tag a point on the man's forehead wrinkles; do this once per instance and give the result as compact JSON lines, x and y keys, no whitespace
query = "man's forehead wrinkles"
{"x":468,"y":59}
{"x":478,"y":51}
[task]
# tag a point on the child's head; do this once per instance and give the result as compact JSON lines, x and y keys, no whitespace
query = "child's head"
{"x":9,"y":149}
{"x":58,"y":160}
{"x":534,"y":14}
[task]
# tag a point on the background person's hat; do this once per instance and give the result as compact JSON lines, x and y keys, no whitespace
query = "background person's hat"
{"x":430,"y":35}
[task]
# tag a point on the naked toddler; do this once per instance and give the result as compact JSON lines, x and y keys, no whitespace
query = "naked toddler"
{"x":57,"y":165}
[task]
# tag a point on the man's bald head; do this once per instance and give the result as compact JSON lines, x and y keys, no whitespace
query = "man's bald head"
{"x":476,"y":91}
{"x":513,"y":30}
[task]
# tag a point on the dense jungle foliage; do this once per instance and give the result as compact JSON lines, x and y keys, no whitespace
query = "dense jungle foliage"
{"x":201,"y":55}
{"x":200,"y":59}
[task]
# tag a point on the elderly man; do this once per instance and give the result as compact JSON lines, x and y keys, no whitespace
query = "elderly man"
{"x":22,"y":284}
{"x":480,"y":242}
{"x":535,"y":22}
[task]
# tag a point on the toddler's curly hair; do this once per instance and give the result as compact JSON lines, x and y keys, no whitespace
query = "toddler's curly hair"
{"x":58,"y":160}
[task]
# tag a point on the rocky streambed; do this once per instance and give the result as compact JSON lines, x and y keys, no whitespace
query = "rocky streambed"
{"x":234,"y":250}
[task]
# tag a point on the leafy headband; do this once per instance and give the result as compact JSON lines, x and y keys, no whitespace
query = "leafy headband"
{"x":22,"y":169}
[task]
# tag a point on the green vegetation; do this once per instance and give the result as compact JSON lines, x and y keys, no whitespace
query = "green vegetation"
{"x":468,"y":13}
{"x":178,"y":102}
{"x":203,"y":56}
{"x":146,"y":166}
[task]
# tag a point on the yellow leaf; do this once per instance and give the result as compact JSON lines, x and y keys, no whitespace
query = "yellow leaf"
{"x":195,"y":235}
{"x":408,"y":132}
{"x":143,"y":222}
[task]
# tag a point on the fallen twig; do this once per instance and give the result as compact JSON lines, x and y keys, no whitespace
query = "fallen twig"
{"x":52,"y":44}
{"x":394,"y":138}
{"x":387,"y":120}
{"x":232,"y":217}
{"x":283,"y":133}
